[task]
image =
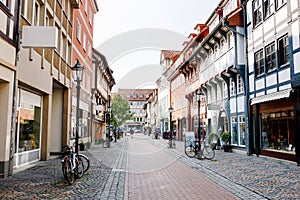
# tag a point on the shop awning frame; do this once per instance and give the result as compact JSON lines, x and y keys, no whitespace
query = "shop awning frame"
{"x":271,"y":97}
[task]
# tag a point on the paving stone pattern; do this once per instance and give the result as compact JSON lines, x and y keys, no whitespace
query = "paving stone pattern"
{"x":143,"y":168}
{"x":248,"y":177}
{"x":152,"y":173}
{"x":45,"y":180}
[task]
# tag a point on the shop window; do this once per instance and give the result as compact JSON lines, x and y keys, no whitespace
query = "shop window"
{"x":257,"y":12}
{"x":242,"y":130}
{"x":268,"y":8}
{"x":234,"y":131}
{"x":259,"y":63}
{"x":278,"y":130}
{"x":270,"y":57}
{"x":283,"y":50}
{"x":28,"y":122}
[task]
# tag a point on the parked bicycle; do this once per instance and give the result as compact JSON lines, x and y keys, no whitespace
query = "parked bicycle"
{"x":194,"y":148}
{"x":73,"y":165}
{"x":107,"y":142}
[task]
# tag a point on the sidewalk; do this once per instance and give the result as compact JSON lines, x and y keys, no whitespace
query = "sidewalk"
{"x":268,"y":177}
{"x":45,"y":180}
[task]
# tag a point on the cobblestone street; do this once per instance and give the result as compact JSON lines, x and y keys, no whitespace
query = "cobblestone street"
{"x":143,"y":168}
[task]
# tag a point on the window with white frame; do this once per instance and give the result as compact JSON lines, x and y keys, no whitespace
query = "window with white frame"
{"x":84,"y":41}
{"x":259,"y":63}
{"x":240,"y":84}
{"x":36,"y":14}
{"x":283,"y":50}
{"x":232,"y":87}
{"x":268,"y":8}
{"x":280,"y":3}
{"x":90,"y":17}
{"x":68,"y":59}
{"x":270,"y":57}
{"x":234,"y":130}
{"x":85,"y":6}
{"x":64,"y":47}
{"x":89,"y":50}
{"x":242,"y":130}
{"x":225,"y":91}
{"x":78,"y":30}
{"x":230,"y":40}
{"x":24,"y":8}
{"x":257,"y":12}
{"x":5,"y":2}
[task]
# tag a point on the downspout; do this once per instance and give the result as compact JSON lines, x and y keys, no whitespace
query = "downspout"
{"x":246,"y":79}
{"x":14,"y":100}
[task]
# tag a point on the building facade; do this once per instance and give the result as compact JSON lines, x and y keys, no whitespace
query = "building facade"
{"x":246,"y":59}
{"x":136,"y":98}
{"x":274,"y":74}
{"x":9,"y":37}
{"x":167,"y":57}
{"x":216,"y":54}
{"x":103,"y":81}
{"x":83,"y":52}
{"x":43,"y":84}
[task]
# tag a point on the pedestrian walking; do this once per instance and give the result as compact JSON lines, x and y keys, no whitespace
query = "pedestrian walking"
{"x":131,"y":133}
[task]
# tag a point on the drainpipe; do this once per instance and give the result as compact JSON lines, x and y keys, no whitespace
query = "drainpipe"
{"x":246,"y":79}
{"x":14,"y":99}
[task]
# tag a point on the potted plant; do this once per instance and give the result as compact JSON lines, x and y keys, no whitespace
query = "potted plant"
{"x":213,"y":140}
{"x":226,"y":137}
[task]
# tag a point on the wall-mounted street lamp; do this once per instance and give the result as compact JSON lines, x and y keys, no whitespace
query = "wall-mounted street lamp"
{"x":199,"y":93}
{"x":171,"y":126}
{"x":78,"y":76}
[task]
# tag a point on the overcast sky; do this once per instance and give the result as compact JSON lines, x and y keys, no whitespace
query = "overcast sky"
{"x":131,"y":33}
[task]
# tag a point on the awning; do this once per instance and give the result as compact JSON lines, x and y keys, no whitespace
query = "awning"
{"x":271,"y":97}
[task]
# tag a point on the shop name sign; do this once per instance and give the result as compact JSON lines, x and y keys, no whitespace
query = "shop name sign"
{"x":39,"y":37}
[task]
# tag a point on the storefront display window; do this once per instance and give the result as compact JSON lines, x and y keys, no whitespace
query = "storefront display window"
{"x":28,"y":128}
{"x":277,"y":130}
{"x":242,"y":130}
{"x":234,"y":131}
{"x":28,"y":122}
{"x":82,"y":123}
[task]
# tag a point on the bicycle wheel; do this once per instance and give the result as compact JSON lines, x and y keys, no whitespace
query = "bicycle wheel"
{"x":190,"y":151}
{"x":79,"y":171}
{"x":208,"y":153}
{"x":86,"y":162}
{"x":67,"y":171}
{"x":106,"y":144}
